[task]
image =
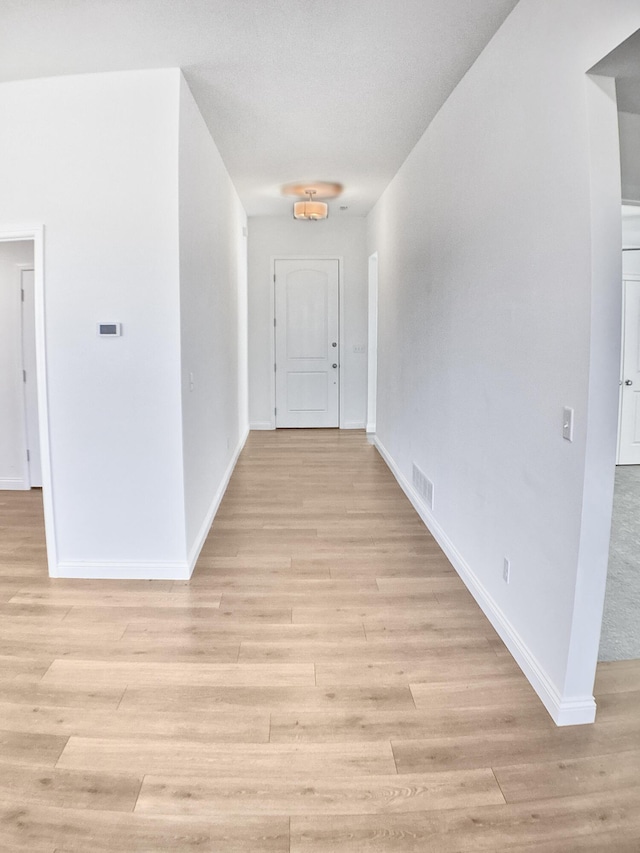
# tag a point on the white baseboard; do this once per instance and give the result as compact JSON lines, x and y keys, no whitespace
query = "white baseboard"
{"x":371,"y":429}
{"x":353,"y":425}
{"x":200,"y":539}
{"x":113,"y":570}
{"x":262,"y":425}
{"x":565,"y":711}
{"x":14,"y":484}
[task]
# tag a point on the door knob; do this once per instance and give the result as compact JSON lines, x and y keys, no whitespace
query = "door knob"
{"x":628,"y":382}
{"x":334,"y":344}
{"x":334,"y":365}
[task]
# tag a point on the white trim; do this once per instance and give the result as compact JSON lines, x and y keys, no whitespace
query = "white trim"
{"x":14,"y":484}
{"x":200,"y":539}
{"x":10,"y":233}
{"x":113,"y":570}
{"x":565,"y":711}
{"x":372,"y":347}
{"x":262,"y":425}
{"x":343,"y":345}
{"x":272,"y":341}
{"x":353,"y":425}
{"x":341,"y":338}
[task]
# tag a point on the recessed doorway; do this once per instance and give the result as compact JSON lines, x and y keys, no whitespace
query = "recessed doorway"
{"x":307,"y":342}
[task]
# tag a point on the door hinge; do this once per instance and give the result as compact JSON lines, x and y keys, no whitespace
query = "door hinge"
{"x":274,"y":321}
{"x":275,"y":367}
{"x":22,"y":294}
{"x":274,"y":276}
{"x":24,"y":375}
{"x":28,"y":456}
{"x":275,"y":411}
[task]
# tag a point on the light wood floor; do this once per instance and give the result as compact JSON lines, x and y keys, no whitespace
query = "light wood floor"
{"x":324,"y":684}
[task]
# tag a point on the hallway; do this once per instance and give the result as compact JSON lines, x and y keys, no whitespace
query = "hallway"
{"x":324,"y":683}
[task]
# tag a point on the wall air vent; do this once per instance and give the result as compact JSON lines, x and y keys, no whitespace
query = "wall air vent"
{"x":423,"y":486}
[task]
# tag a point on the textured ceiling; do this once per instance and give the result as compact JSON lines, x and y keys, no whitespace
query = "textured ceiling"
{"x":292,"y":90}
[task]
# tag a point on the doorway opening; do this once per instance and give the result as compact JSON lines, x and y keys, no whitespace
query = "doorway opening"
{"x":24,"y":437}
{"x":20,"y":445}
{"x":620,"y":637}
{"x":620,"y":631}
{"x":307,"y":342}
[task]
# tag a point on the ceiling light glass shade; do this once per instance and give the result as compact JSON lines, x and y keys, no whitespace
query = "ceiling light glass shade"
{"x":310,"y":210}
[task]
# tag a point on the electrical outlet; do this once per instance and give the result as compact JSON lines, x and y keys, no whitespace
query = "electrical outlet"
{"x":506,"y":570}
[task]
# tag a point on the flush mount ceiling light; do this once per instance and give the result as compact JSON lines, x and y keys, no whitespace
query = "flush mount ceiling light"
{"x":310,"y":209}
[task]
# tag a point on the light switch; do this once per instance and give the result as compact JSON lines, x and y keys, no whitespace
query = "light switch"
{"x":567,"y":423}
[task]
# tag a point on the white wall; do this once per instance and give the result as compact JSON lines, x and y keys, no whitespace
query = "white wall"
{"x":94,"y":158}
{"x":336,"y":236}
{"x":490,"y":309}
{"x":630,"y":155}
{"x":12,"y":434}
{"x":142,"y":227}
{"x":213,"y":321}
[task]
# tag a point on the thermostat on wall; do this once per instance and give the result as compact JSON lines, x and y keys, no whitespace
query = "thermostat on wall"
{"x":110,"y":329}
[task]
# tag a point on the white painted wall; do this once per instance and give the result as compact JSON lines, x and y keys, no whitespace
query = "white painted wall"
{"x":94,"y":158}
{"x":12,"y":414}
{"x":212,"y":321}
{"x":630,"y":155}
{"x":490,"y":307}
{"x":337,"y":236}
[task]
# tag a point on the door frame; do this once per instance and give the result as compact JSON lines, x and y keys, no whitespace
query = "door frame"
{"x":35,"y":233}
{"x":623,"y":318}
{"x":372,"y":345}
{"x":272,"y":331}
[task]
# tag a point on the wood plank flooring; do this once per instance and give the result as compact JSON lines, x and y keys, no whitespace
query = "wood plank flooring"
{"x":323,"y":684}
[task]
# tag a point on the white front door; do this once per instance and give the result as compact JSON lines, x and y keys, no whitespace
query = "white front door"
{"x":29,"y":376}
{"x":629,"y":436}
{"x":307,"y":343}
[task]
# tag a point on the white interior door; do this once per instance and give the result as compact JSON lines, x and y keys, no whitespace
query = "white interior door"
{"x":629,"y":435}
{"x":29,"y":376}
{"x":307,"y":343}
